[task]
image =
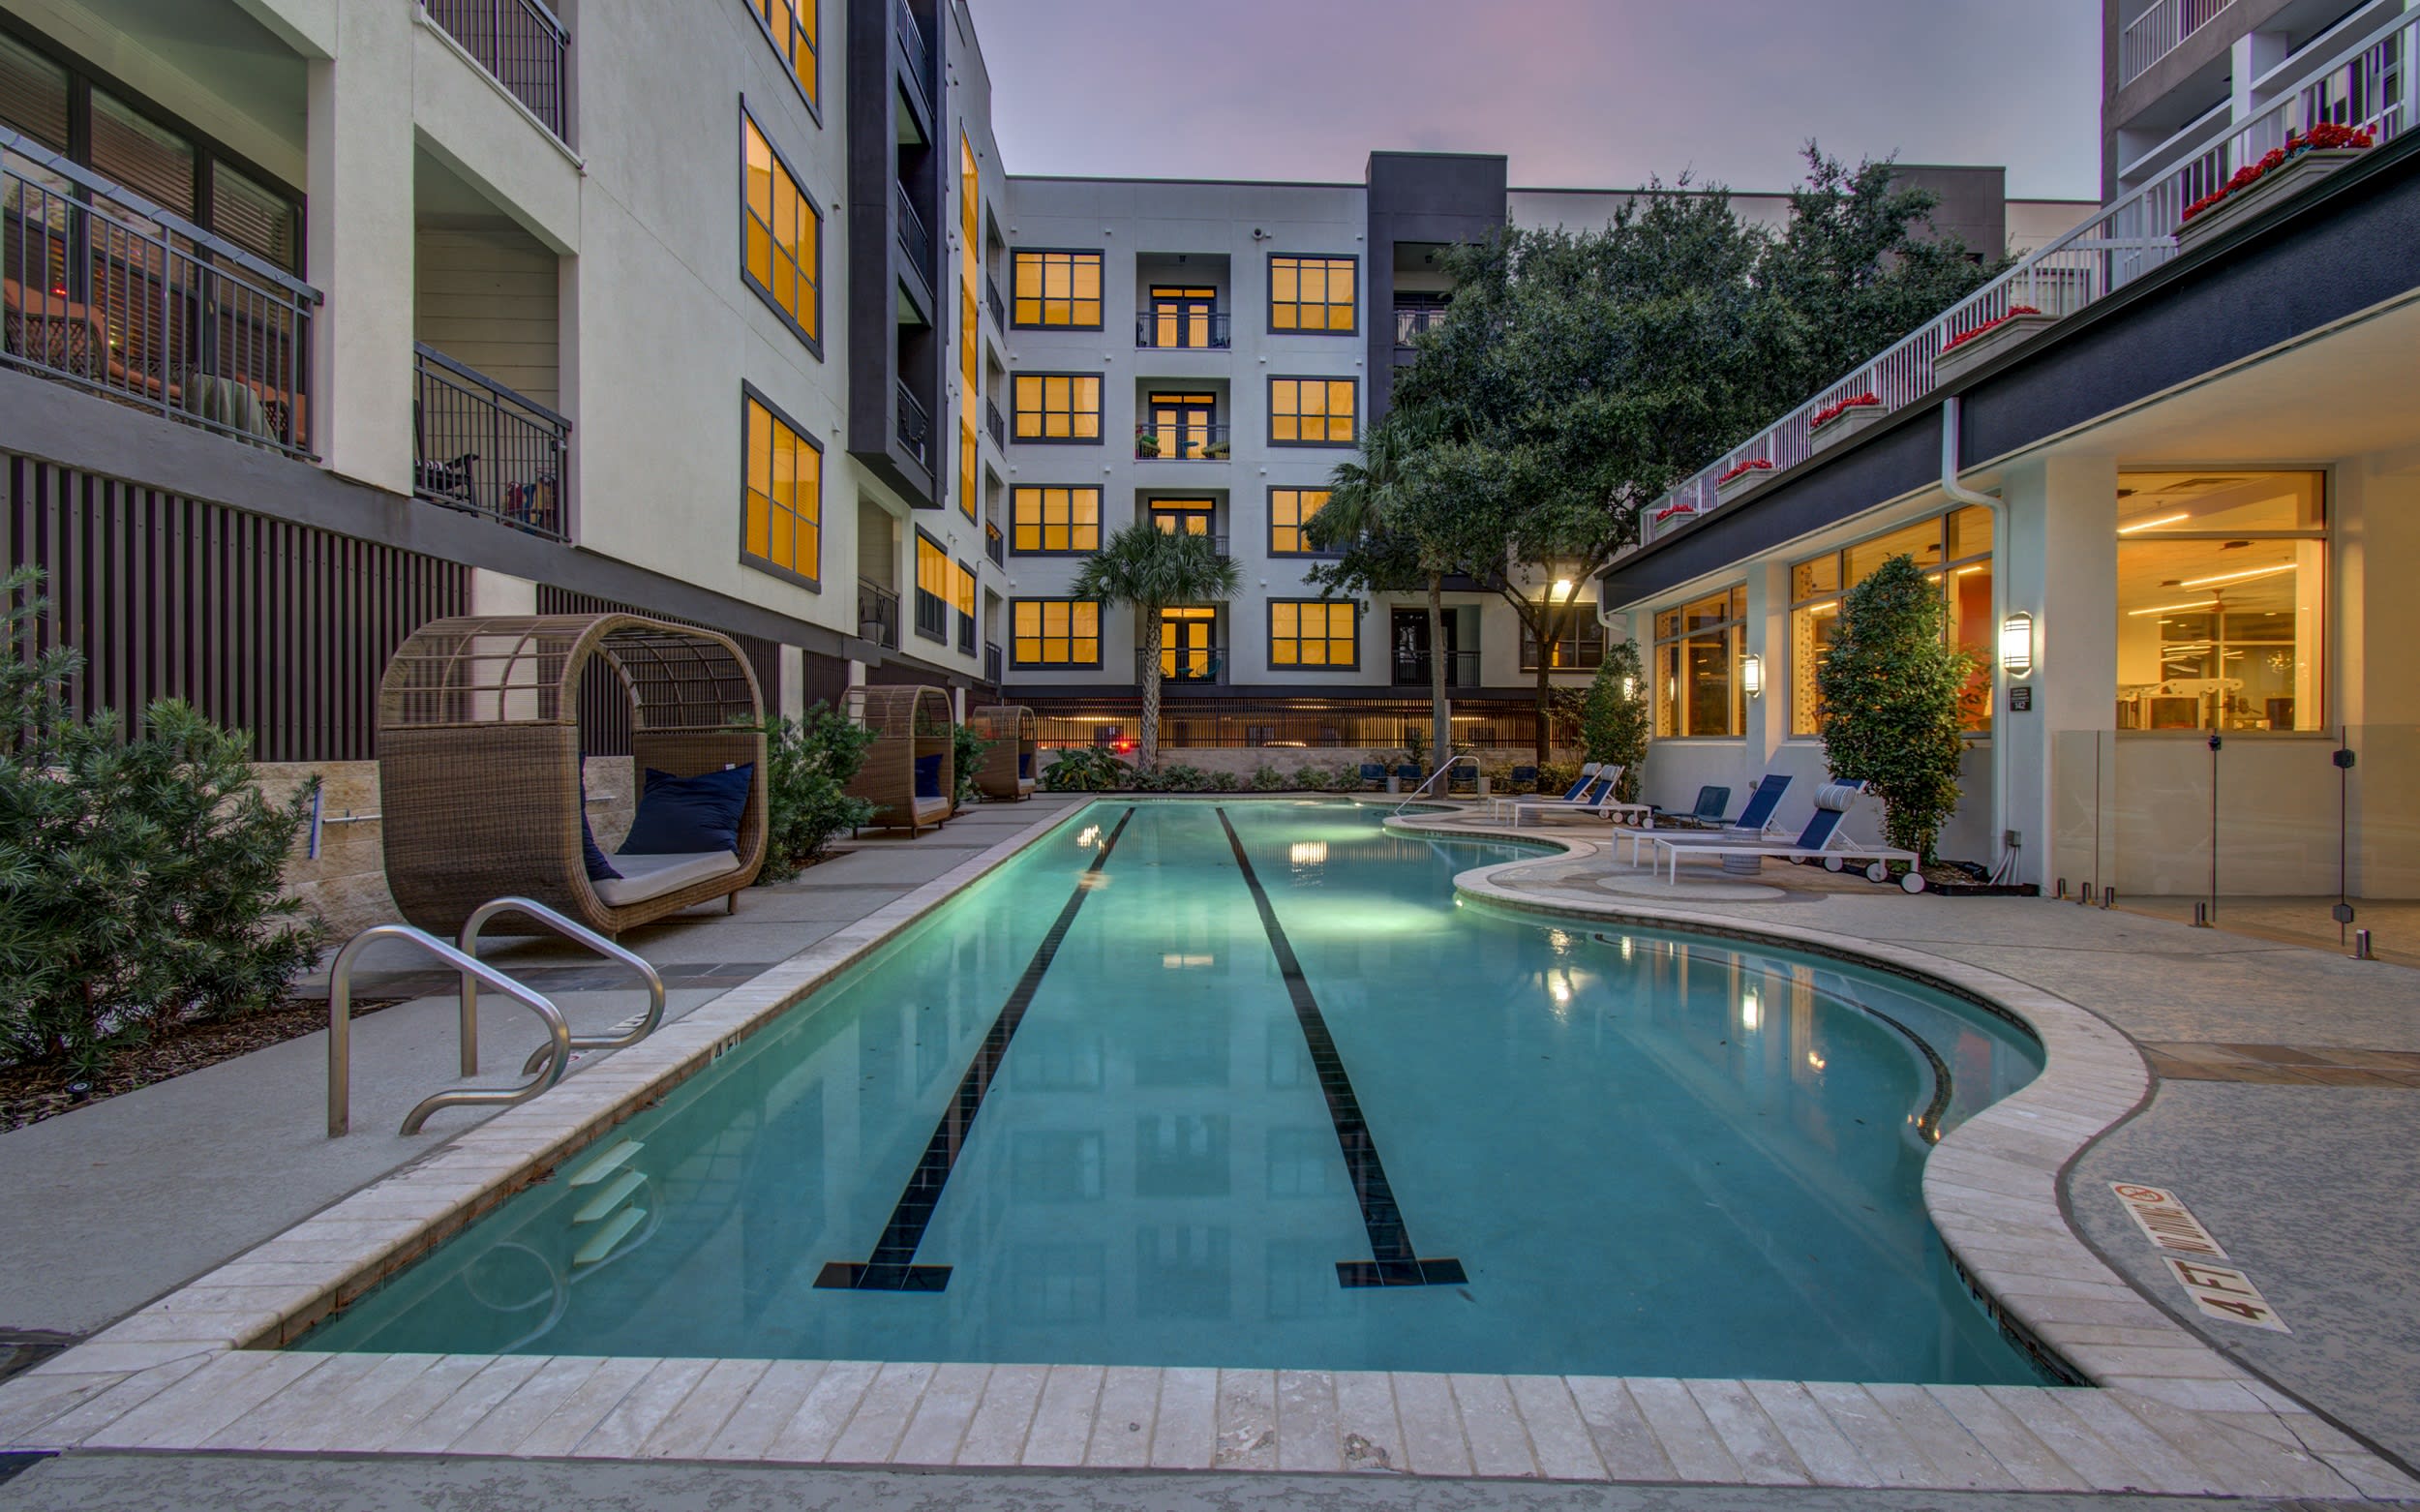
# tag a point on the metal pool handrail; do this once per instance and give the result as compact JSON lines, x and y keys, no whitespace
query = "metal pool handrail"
{"x":570,"y":931}
{"x":1437,"y":776}
{"x":340,"y":1031}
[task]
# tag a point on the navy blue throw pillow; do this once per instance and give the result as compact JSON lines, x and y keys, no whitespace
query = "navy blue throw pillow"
{"x":591,"y":854}
{"x":1024,"y":763}
{"x":685,"y":816}
{"x":928,"y":776}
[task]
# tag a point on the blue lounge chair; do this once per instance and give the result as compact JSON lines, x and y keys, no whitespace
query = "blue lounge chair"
{"x":1373,"y":774}
{"x":1502,"y":804}
{"x":1820,"y":840}
{"x":1595,"y":794}
{"x":1712,"y":803}
{"x":1753,"y":822}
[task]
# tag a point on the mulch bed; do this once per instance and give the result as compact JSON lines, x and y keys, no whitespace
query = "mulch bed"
{"x":30,"y":1093}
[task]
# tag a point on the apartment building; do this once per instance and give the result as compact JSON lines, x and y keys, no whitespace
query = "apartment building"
{"x":2165,"y":474}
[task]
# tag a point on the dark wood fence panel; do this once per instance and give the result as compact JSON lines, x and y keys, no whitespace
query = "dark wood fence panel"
{"x":263,"y":624}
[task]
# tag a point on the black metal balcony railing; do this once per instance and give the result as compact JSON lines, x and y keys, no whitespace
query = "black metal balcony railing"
{"x":997,"y":422}
{"x":916,"y":428}
{"x":966,"y":632}
{"x":480,"y":447}
{"x":995,"y":545}
{"x":102,"y":288}
{"x":933,"y":617}
{"x":877,"y":615}
{"x":1218,"y":540}
{"x":999,"y":306}
{"x":1411,"y":669}
{"x":920,"y":64}
{"x":1192,"y":664}
{"x":1174,"y":329}
{"x":1182,"y":443}
{"x":521,"y":44}
{"x":1412,"y":320}
{"x":993,"y":661}
{"x":913,"y":239}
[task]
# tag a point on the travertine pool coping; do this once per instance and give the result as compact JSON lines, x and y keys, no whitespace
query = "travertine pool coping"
{"x":200,"y":1370}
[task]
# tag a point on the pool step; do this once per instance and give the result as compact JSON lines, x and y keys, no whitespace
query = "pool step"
{"x":603,"y":1165}
{"x":615,"y":1193}
{"x":601,"y":1243}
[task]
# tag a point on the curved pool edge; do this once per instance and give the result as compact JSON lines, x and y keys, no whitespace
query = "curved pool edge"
{"x":199,"y":1369}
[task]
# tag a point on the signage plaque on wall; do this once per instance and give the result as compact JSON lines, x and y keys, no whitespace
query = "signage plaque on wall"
{"x":2021,"y":699}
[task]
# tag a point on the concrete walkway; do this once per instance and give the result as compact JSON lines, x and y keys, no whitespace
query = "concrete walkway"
{"x":108,"y":1208}
{"x":2285,"y":1113}
{"x":293,"y":1483}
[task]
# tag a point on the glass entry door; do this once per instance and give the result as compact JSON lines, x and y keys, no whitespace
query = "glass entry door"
{"x":1182,"y":314}
{"x":1186,"y":652}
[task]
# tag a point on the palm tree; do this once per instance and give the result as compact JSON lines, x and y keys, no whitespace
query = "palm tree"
{"x":1155,"y":569}
{"x":1377,"y":496}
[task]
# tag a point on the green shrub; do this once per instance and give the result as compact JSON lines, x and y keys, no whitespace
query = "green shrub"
{"x":1181,"y":778}
{"x":1613,"y":718}
{"x":1224,"y":782}
{"x":1267,"y":778}
{"x":967,"y":752}
{"x":808,"y":765}
{"x":1557,"y":776}
{"x":140,"y":876}
{"x":1086,"y":768}
{"x":1891,"y":687}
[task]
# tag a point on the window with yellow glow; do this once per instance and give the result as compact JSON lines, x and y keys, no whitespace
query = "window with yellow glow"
{"x":970,"y":202}
{"x":966,"y":464}
{"x":2221,"y":600}
{"x":1311,"y":412}
{"x":781,"y":233}
{"x":1055,"y":632}
{"x":1312,"y":294}
{"x":1312,"y":632}
{"x":791,"y":25}
{"x":1045,"y":520}
{"x":1058,"y":406}
{"x":962,"y":588}
{"x":1289,"y":510}
{"x":1696,"y":666}
{"x":1954,"y":550}
{"x":933,"y":589}
{"x":1061,"y":288}
{"x":781,"y":502}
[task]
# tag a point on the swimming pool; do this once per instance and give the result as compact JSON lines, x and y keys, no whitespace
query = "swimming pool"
{"x":1239,"y":1084}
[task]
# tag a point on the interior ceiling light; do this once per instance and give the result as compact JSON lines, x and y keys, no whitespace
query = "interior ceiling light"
{"x":2169,"y":609}
{"x":2238,"y":576}
{"x":2153,"y":525}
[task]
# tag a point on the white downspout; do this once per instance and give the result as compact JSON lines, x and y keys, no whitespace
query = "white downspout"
{"x":1960,"y":493}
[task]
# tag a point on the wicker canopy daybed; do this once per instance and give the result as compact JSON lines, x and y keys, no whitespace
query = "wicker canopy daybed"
{"x":479,"y":764}
{"x":911,"y":770}
{"x":1008,"y":771}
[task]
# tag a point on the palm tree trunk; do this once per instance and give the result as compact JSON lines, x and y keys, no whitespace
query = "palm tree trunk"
{"x":1147,"y":754}
{"x":1440,"y":725}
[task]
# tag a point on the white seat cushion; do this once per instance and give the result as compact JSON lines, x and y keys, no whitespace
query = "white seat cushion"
{"x":644,"y":877}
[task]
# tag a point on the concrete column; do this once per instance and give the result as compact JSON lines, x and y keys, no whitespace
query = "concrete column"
{"x":495,"y":592}
{"x":1768,"y":722}
{"x":790,"y":699}
{"x":2253,"y":54}
{"x":2059,"y":563}
{"x":359,"y":138}
{"x":856,"y":674}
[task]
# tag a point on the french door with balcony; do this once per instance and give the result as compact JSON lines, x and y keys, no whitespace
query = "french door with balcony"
{"x":1187,"y":653}
{"x":1184,"y":424}
{"x":1183,"y":314}
{"x":1183,"y":515}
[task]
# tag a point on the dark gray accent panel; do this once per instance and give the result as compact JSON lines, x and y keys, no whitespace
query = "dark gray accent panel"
{"x":1418,"y":197}
{"x":884,"y":355}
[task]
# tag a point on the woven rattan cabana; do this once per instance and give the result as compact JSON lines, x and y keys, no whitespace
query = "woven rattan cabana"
{"x":911,"y":770}
{"x":1007,"y":769}
{"x":479,"y":761}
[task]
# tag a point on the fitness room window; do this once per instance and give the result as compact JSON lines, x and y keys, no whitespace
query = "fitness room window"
{"x":1954,"y":550}
{"x":1697,"y":666}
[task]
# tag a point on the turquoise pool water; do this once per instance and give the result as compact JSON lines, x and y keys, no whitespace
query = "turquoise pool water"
{"x":1126,"y":1102}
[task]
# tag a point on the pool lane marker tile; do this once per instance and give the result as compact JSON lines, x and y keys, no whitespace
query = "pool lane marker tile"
{"x":1394,"y":1262}
{"x":892,"y":1266}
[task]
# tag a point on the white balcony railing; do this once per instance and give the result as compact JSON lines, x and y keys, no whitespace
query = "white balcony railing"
{"x":2366,"y":83}
{"x":2159,"y":31}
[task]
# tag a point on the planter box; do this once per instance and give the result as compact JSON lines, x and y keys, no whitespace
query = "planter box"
{"x":1745,"y":483}
{"x":2301,"y":171}
{"x":1968,"y":356}
{"x":1847,"y":423}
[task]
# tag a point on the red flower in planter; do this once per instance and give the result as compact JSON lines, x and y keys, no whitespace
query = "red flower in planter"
{"x":1742,"y":469}
{"x":2327,"y":134}
{"x":1963,"y":337}
{"x":1841,"y":407}
{"x":1669,"y":510}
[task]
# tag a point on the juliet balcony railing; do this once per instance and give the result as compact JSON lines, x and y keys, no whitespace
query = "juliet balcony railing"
{"x":999,"y":306}
{"x":996,"y":422}
{"x":2161,"y":31}
{"x":995,"y":545}
{"x":1414,"y":320}
{"x":103,"y":290}
{"x":877,"y":614}
{"x":1180,"y":330}
{"x":1411,"y":669}
{"x":523,"y":45}
{"x":1202,"y":665}
{"x":913,"y":239}
{"x":915,"y":427}
{"x":2363,"y":81}
{"x":480,"y":447}
{"x":919,"y":57}
{"x":1182,"y":443}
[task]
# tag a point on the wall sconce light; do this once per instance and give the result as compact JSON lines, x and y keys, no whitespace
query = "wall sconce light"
{"x":2016,"y":644}
{"x":1752,"y":674}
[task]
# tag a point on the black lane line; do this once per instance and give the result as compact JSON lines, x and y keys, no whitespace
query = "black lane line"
{"x":1394,"y":1262}
{"x":892,"y":1266}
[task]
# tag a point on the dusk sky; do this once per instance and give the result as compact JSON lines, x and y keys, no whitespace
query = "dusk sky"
{"x":1579,"y":93}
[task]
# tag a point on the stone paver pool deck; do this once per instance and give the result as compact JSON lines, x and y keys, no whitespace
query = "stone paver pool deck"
{"x":2184,"y":1410}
